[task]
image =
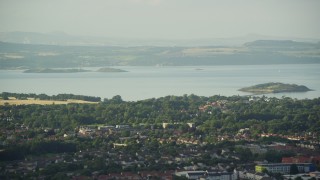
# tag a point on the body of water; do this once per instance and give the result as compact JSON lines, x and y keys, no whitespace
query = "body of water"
{"x":152,"y":82}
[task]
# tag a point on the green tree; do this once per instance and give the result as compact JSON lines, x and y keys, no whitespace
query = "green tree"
{"x":244,"y":154}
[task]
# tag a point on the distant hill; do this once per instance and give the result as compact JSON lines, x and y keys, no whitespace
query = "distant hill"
{"x":281,"y":44}
{"x":31,"y":56}
{"x":64,"y":39}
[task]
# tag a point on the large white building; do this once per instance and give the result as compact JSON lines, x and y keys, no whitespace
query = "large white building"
{"x":205,"y":175}
{"x":284,"y":168}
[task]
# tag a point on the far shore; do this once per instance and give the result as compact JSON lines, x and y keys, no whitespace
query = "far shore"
{"x":13,"y":101}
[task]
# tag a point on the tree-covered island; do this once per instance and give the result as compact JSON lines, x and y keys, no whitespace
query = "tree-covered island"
{"x":108,"y":69}
{"x":48,"y":70}
{"x":275,"y":88}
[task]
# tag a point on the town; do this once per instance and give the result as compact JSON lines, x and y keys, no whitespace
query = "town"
{"x":141,"y":146}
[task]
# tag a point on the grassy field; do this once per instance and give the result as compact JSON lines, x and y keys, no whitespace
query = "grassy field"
{"x":14,"y":101}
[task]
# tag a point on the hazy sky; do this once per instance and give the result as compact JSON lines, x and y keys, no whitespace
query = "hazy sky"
{"x":164,"y":19}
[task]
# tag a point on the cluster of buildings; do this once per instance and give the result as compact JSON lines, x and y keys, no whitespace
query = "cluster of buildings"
{"x":297,"y":137}
{"x":302,"y":159}
{"x":222,"y":104}
{"x":28,"y":166}
{"x":143,"y":175}
{"x":192,"y":151}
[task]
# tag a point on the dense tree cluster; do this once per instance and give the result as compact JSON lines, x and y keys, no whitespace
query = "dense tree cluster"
{"x":268,"y":115}
{"x":36,"y":147}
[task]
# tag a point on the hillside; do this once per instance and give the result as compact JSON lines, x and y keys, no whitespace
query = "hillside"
{"x":280,"y":44}
{"x":30,"y":56}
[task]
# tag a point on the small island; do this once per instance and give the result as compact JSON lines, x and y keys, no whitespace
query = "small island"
{"x":47,"y":70}
{"x":107,"y":70}
{"x":275,"y":88}
{"x":51,"y":70}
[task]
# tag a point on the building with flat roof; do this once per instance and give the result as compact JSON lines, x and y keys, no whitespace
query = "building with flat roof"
{"x":207,"y":175}
{"x":284,"y":168}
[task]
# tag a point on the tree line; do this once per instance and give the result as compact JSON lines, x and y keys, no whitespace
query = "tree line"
{"x":266,"y":115}
{"x":59,"y":97}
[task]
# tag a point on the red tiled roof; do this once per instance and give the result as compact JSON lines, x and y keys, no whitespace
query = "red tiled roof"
{"x":301,"y":159}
